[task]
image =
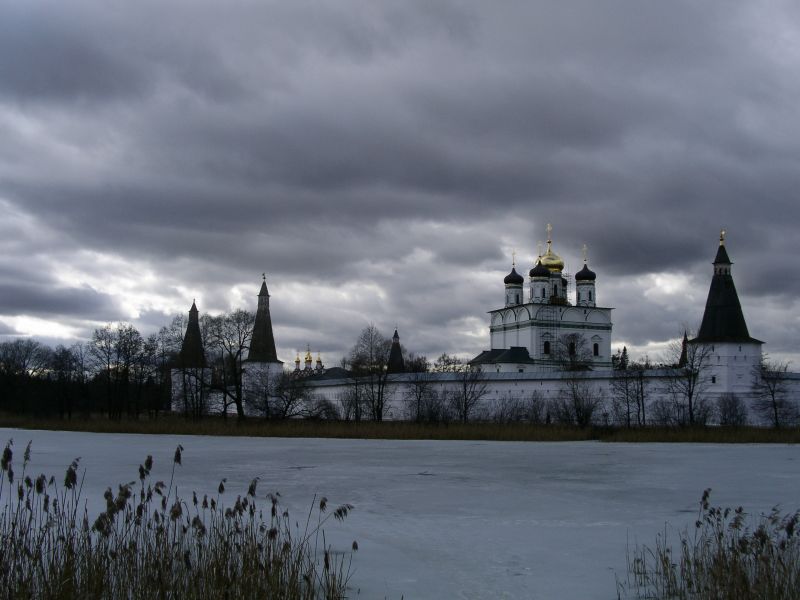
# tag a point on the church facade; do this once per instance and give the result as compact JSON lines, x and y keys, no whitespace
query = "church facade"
{"x":539,"y":329}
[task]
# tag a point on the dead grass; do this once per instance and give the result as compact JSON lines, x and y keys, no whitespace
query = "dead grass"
{"x":397,"y":430}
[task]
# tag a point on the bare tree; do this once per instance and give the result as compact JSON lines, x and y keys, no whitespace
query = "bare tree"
{"x":352,"y":401}
{"x":731,"y":411}
{"x":771,"y":387}
{"x":65,"y":371}
{"x":572,"y":352}
{"x":22,"y":363}
{"x":470,"y":388}
{"x":101,"y":350}
{"x":577,"y":402}
{"x":24,"y":357}
{"x":229,"y":336}
{"x":128,"y":348}
{"x":279,"y":396}
{"x":446,"y":363}
{"x":116,"y":351}
{"x":420,"y":392}
{"x":688,"y":381}
{"x":629,"y":393}
{"x":510,"y":409}
{"x":368,"y":362}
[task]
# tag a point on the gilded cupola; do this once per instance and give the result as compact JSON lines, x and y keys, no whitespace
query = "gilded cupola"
{"x":551,"y":260}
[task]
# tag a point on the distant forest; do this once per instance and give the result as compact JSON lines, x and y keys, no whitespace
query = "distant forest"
{"x":118,"y":372}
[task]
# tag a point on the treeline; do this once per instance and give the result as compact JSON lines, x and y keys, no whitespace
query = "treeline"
{"x":117,"y":372}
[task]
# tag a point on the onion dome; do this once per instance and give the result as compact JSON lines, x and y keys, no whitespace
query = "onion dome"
{"x":551,"y":260}
{"x":585,"y":274}
{"x":539,"y":270}
{"x":514,"y":278}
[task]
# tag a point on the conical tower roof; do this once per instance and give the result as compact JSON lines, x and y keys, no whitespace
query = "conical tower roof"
{"x":396,"y":363}
{"x":262,"y":342}
{"x":192,"y":354}
{"x":723,"y":320}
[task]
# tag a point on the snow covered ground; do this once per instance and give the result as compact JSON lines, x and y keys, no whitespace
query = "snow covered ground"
{"x":450,"y":519}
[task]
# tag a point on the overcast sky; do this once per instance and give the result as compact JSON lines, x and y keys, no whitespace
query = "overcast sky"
{"x":381,"y":160}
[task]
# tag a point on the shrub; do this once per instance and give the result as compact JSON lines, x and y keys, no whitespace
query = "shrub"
{"x":732,"y":410}
{"x":149,"y":543}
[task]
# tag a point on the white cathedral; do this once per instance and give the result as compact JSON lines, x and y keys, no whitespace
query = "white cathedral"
{"x":534,"y":339}
{"x":527,"y":335}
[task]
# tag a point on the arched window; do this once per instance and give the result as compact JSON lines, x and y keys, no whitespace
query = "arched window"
{"x":546,"y":349}
{"x":572,"y":348}
{"x":596,"y":349}
{"x":590,"y":296}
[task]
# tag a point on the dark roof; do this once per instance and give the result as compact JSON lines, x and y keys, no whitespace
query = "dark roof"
{"x":684,"y":358}
{"x":539,"y":270}
{"x":395,"y":363}
{"x":515,"y":354}
{"x":192,"y":354}
{"x":262,"y":343}
{"x":487,"y":356}
{"x":585,"y":274}
{"x":722,"y":256}
{"x":514,"y":278}
{"x":723,"y":320}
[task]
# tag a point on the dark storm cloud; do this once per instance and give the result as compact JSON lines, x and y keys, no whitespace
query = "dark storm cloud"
{"x":392,"y":155}
{"x":50,"y":301}
{"x":26,"y":292}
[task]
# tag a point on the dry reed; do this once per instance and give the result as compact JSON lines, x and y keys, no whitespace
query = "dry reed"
{"x":151,"y":544}
{"x":723,"y":558}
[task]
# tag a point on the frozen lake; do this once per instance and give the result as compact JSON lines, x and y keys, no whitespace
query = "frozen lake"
{"x":451,"y":519}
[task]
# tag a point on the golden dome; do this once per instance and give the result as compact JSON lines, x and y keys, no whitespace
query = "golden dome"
{"x":550,"y":259}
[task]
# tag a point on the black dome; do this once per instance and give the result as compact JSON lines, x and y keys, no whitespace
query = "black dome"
{"x":539,"y":271}
{"x":514,"y":278}
{"x":585,"y":274}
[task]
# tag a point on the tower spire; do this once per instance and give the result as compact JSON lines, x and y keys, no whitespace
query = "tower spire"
{"x":395,"y":364}
{"x":262,"y":342}
{"x":723,"y":320}
{"x":192,"y":354}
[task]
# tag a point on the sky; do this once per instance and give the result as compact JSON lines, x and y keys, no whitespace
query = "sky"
{"x":380,"y":162}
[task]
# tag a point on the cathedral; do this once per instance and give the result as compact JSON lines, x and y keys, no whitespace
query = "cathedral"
{"x":542,"y":330}
{"x":540,"y":339}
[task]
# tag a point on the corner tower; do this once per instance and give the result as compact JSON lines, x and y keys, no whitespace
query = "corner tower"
{"x":262,"y":367}
{"x":262,"y":342}
{"x":395,"y":364}
{"x":733,"y":353}
{"x":192,"y":354}
{"x":191,"y":377}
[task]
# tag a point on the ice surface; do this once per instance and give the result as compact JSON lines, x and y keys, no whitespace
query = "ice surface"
{"x":451,"y":519}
